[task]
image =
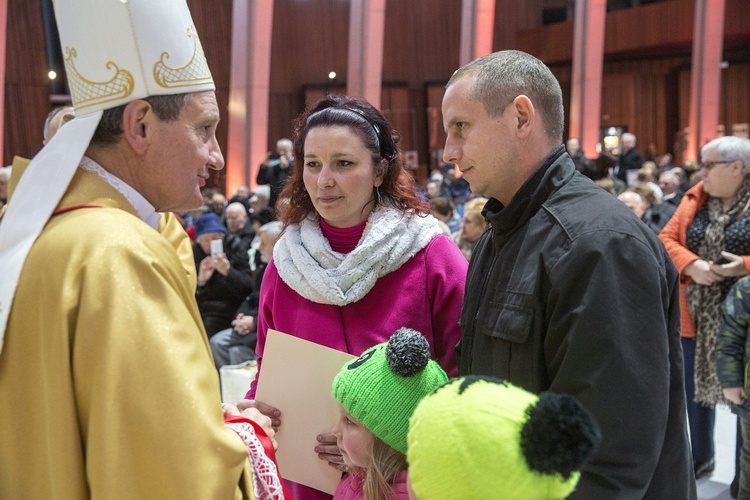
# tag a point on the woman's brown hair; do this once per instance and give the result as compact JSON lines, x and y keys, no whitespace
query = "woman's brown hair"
{"x":378,"y":137}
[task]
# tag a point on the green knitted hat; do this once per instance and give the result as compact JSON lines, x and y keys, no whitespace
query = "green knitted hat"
{"x":477,"y":438}
{"x":382,"y":387}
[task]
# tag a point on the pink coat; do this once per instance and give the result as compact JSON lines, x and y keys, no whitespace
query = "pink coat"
{"x":350,"y":488}
{"x":424,"y":294}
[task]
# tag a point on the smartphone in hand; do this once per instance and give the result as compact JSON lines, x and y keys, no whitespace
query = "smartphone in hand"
{"x":217,"y":248}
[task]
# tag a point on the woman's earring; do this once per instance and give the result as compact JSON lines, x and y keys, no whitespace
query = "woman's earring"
{"x":377,"y":194}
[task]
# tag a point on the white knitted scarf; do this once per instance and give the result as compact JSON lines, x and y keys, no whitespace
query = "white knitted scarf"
{"x":306,"y":262}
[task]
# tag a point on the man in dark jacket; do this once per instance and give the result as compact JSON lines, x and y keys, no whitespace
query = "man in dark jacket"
{"x":567,"y":291}
{"x":630,"y":158}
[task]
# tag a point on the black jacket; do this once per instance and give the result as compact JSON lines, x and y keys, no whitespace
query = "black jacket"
{"x":569,"y":292}
{"x":629,"y":160}
{"x":220,"y":297}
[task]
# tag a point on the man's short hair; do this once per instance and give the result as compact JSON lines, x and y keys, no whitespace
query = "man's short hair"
{"x":503,"y":76}
{"x":166,"y":107}
{"x":263,"y":191}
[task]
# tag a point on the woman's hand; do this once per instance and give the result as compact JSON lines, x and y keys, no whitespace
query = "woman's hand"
{"x":734,"y":267}
{"x":735,"y":394}
{"x":328,"y":450}
{"x":271,"y":412}
{"x":205,"y":270}
{"x":702,"y":273}
{"x":221,"y":264}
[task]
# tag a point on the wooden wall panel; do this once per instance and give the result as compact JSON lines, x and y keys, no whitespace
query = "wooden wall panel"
{"x":422,"y":39}
{"x":735,"y":102}
{"x":421,"y":47}
{"x":26,"y":84}
{"x":213,"y":21}
{"x":309,"y":40}
{"x":512,"y":16}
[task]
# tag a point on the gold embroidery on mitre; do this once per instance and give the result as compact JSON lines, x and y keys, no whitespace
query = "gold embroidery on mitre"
{"x":89,"y":93}
{"x":195,"y":72}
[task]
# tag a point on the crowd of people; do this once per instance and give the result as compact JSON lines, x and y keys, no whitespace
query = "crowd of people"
{"x":532,"y":337}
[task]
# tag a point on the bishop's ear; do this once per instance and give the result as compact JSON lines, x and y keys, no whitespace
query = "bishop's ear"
{"x":137,"y":123}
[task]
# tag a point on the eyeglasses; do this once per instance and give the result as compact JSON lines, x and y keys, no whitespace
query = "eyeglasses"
{"x":709,"y":165}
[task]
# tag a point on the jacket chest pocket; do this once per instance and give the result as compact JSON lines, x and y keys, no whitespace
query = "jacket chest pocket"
{"x":510,"y":318}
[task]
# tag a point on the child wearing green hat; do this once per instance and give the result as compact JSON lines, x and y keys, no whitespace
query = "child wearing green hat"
{"x":377,"y":394}
{"x":480,"y":437}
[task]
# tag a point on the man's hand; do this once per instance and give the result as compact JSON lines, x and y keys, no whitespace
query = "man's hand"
{"x":271,"y":412}
{"x":328,"y":450}
{"x":735,"y":394}
{"x":243,"y":324}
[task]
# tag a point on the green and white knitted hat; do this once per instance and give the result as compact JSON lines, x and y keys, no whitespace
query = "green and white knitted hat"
{"x":479,"y":437}
{"x":382,"y":387}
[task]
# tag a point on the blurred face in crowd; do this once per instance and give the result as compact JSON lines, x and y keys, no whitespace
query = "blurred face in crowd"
{"x":572,"y":146}
{"x":257,"y":203}
{"x":668,"y":182}
{"x":285,"y":148}
{"x":472,"y":228}
{"x":634,"y":202}
{"x":205,"y":239}
{"x":219,"y":201}
{"x":339,"y":175}
{"x":433,"y":189}
{"x":236,"y":217}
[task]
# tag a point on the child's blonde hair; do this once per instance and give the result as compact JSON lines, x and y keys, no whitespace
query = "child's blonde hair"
{"x":380,"y":389}
{"x":383,"y":468}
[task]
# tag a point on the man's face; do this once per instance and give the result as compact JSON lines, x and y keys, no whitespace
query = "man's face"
{"x":634,"y":202}
{"x":668,"y":183}
{"x":284,"y":149}
{"x":483,"y":147}
{"x":236,"y":218}
{"x":181,"y":153}
{"x":572,"y":146}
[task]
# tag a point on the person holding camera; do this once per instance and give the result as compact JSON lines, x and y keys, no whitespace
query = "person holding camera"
{"x":277,"y":168}
{"x":224,"y":278}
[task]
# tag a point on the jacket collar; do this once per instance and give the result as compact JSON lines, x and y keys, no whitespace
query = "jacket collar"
{"x":554,"y":171}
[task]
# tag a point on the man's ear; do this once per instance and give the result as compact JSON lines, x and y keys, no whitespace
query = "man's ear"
{"x":137,"y":123}
{"x":525,"y":115}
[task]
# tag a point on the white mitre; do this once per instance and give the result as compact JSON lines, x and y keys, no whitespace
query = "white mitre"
{"x":116,"y":51}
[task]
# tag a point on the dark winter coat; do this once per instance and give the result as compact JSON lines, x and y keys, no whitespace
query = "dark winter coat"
{"x":569,"y":292}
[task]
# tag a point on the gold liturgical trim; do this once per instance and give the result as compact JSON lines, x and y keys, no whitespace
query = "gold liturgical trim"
{"x":89,"y":93}
{"x":195,"y":72}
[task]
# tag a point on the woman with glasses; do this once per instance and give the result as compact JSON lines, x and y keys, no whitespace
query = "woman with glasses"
{"x":708,"y":239}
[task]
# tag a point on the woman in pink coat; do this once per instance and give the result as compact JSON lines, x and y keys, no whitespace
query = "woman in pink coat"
{"x":359,"y":257}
